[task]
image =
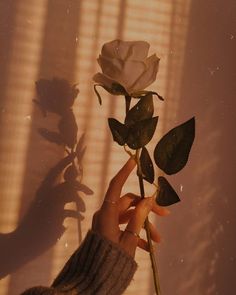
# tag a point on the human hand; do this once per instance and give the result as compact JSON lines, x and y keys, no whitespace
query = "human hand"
{"x":116,"y":210}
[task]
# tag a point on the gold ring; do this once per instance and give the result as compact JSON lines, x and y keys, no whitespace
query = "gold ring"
{"x":132,"y":233}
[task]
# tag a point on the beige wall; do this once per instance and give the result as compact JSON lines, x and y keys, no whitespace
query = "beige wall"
{"x":196,"y":43}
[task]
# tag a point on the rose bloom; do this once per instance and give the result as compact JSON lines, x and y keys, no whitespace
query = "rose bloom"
{"x":55,"y":95}
{"x":126,"y":67}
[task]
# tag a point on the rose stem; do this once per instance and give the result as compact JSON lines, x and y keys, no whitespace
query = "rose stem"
{"x":127,"y":103}
{"x":147,"y":228}
{"x":146,"y":224}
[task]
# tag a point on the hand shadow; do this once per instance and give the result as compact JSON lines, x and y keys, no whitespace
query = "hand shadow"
{"x":42,"y":224}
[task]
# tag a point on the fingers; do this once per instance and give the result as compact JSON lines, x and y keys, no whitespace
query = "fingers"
{"x":125,"y":216}
{"x":127,"y":201}
{"x":54,"y":172}
{"x":161,"y":211}
{"x":130,"y":237}
{"x":155,"y":236}
{"x":143,"y":245}
{"x":116,"y":184}
{"x":140,"y":213}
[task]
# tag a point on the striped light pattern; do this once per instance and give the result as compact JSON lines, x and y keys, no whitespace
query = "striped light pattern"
{"x":162,"y":23}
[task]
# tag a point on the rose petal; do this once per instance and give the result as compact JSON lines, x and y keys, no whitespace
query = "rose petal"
{"x":116,"y":48}
{"x":152,"y":59}
{"x":111,"y":67}
{"x":130,"y":72}
{"x":108,"y":49}
{"x":103,"y":80}
{"x":149,"y":76}
{"x":123,"y":50}
{"x":139,"y":50}
{"x":124,"y":73}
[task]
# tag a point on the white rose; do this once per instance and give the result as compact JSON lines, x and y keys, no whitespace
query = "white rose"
{"x":126,"y":64}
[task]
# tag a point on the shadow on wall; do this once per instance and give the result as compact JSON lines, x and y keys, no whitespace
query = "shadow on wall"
{"x":57,"y":59}
{"x":203,"y":260}
{"x":42,"y":224}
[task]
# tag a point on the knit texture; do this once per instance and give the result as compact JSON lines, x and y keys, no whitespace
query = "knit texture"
{"x":98,"y":266}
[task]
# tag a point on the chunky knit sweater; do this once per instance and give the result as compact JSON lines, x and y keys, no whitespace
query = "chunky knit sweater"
{"x":98,"y":266}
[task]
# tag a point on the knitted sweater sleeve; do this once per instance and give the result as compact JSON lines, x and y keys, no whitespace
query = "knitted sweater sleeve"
{"x":98,"y":266}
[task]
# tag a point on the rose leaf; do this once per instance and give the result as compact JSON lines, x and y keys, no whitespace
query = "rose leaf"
{"x":166,"y":195}
{"x":146,"y":166}
{"x":172,"y":151}
{"x":51,"y":136}
{"x":141,"y":133}
{"x":144,"y":109}
{"x":119,"y":131}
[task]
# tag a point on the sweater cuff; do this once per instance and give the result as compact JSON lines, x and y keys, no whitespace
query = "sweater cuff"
{"x":99,"y":266}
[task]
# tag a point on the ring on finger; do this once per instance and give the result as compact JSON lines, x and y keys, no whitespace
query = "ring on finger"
{"x":133,"y":233}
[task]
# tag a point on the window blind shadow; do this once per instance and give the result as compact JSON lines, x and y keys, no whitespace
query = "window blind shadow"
{"x":57,"y":59}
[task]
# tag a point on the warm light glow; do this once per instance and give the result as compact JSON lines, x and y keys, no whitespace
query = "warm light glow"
{"x":164,"y":25}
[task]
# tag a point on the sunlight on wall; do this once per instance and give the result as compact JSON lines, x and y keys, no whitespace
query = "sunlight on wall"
{"x":16,"y":115}
{"x":164,"y":25}
{"x":100,"y":23}
{"x":22,"y":69}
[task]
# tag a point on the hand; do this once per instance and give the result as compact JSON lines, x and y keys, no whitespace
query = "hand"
{"x":116,"y":210}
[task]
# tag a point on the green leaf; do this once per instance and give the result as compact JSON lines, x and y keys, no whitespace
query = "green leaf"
{"x":51,"y":136}
{"x":146,"y":166}
{"x":141,"y":133}
{"x":166,"y":195}
{"x":119,"y":131}
{"x":172,"y":151}
{"x":144,"y":109}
